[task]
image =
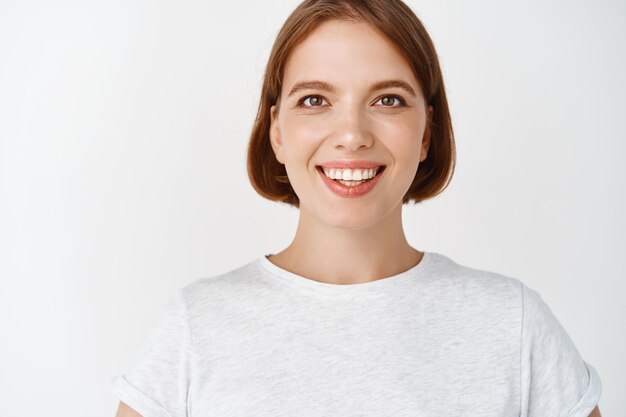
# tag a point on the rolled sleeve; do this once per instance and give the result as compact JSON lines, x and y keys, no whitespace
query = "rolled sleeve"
{"x":157,"y":385}
{"x":555,"y":380}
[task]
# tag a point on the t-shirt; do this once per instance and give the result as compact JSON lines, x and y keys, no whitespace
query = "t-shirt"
{"x":439,"y":339}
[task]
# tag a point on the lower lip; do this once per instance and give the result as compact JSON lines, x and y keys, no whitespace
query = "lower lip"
{"x":346,"y":191}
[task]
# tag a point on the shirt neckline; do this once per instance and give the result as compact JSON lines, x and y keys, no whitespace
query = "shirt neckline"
{"x":376,"y":286}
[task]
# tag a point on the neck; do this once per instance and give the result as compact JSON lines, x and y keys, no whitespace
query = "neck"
{"x":337,"y":255}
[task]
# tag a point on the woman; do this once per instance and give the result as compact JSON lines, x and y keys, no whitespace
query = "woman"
{"x":349,"y":319}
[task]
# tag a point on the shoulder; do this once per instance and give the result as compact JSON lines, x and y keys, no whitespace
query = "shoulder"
{"x":222,"y":289}
{"x":468,"y":280}
{"x":484,"y":307}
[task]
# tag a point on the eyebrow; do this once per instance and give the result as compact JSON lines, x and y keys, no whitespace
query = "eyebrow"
{"x":324,"y":86}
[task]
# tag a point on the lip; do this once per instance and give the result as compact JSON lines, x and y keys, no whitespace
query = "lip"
{"x":350,"y":192}
{"x":354,"y":163}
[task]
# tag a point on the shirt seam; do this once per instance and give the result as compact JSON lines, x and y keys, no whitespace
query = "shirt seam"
{"x":521,"y":350}
{"x":187,"y":325}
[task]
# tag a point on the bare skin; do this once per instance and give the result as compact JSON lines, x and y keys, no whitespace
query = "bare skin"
{"x":398,"y":255}
{"x":342,"y":240}
{"x":123,"y":410}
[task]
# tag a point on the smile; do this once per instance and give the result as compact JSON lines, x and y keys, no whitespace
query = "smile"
{"x":350,"y":177}
{"x":350,"y":182}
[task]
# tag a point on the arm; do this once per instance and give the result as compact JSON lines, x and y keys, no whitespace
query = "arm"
{"x":595,"y":412}
{"x":125,"y":411}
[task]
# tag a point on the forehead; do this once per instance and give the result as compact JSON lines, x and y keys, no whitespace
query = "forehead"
{"x":347,"y":54}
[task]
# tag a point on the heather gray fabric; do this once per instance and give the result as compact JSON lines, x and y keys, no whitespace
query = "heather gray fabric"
{"x":438,"y":340}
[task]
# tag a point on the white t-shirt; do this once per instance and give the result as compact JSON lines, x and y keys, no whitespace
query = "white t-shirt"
{"x":438,"y":340}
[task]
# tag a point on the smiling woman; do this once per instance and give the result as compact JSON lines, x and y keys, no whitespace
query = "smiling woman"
{"x":357,"y":74}
{"x":349,"y":319}
{"x":392,"y":48}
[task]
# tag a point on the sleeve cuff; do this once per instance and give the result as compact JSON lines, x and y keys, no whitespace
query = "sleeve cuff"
{"x":590,"y":399}
{"x":136,"y":399}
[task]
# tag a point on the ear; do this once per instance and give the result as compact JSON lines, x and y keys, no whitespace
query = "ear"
{"x":426,"y":137}
{"x":275,"y":139}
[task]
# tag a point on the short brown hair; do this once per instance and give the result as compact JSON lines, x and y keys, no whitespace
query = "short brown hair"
{"x":398,"y":22}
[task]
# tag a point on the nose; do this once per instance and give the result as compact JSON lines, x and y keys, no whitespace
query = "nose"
{"x":352,"y":130}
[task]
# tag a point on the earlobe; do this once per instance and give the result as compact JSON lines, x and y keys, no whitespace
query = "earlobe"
{"x":275,"y":135}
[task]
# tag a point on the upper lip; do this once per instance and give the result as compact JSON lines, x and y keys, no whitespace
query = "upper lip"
{"x":346,"y":163}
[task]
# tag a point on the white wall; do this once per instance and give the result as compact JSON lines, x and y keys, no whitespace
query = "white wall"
{"x":123,"y":127}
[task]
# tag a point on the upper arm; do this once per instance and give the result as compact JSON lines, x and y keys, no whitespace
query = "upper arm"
{"x":123,"y":410}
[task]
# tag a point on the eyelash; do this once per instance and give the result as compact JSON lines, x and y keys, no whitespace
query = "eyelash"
{"x":400,"y":100}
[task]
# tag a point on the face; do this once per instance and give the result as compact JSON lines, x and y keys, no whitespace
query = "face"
{"x":349,"y":99}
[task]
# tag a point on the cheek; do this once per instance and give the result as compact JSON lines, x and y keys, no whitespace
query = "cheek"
{"x":403,"y":138}
{"x":301,"y":135}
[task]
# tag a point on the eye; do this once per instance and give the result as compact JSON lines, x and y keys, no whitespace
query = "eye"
{"x":313,"y":101}
{"x":389,"y":101}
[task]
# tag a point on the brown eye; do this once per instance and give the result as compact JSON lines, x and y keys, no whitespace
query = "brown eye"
{"x":389,"y":101}
{"x":313,"y":101}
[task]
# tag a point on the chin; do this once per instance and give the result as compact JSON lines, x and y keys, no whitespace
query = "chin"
{"x":351,"y":219}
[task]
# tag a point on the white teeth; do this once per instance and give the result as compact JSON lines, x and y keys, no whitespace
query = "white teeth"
{"x":350,"y":183}
{"x":350,"y":174}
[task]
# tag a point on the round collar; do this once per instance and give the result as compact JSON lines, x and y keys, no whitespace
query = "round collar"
{"x":377,"y":285}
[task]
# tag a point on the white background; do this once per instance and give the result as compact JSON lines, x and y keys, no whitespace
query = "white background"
{"x":123,"y":129}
